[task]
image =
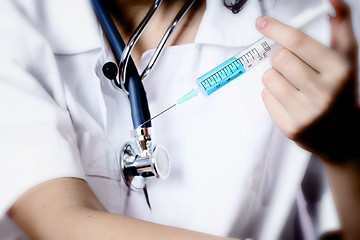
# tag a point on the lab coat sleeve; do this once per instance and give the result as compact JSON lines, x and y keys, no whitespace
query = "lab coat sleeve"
{"x":37,"y":140}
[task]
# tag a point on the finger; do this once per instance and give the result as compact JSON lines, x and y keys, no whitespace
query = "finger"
{"x":278,"y":114}
{"x":298,"y":73}
{"x":342,"y":34}
{"x":281,"y":89}
{"x":306,"y":48}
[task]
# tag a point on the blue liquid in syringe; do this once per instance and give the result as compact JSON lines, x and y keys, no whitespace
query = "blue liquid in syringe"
{"x":250,"y":57}
{"x":232,"y":68}
{"x":221,"y":75}
{"x":247,"y":59}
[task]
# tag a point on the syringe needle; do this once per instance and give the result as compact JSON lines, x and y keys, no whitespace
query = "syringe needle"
{"x":158,"y":114}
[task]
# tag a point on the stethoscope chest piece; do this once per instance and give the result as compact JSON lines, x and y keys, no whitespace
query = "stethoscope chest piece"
{"x":141,"y":159}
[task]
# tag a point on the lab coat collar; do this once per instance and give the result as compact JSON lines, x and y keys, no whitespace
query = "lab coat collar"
{"x":70,"y":27}
{"x":215,"y":30}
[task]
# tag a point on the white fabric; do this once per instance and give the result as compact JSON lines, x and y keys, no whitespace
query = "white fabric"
{"x":37,"y":140}
{"x":233,"y":172}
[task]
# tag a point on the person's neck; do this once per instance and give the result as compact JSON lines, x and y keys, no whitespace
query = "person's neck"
{"x":127,"y":15}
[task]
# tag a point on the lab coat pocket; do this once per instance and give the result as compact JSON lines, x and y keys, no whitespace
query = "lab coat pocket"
{"x":97,"y":155}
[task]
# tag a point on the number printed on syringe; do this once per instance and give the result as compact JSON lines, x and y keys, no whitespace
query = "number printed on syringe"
{"x":257,"y":54}
{"x":247,"y":59}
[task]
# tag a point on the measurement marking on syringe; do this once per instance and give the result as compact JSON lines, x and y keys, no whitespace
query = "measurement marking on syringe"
{"x":245,"y":56}
{"x":229,"y":68}
{"x":223,"y":75}
{"x":236,"y":65}
{"x":204,"y":82}
{"x":252,"y":53}
{"x":223,"y":72}
{"x":247,"y":59}
{"x":266,"y":46}
{"x":240,"y":63}
{"x":256,"y":51}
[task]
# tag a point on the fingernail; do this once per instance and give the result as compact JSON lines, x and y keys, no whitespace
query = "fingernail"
{"x":261,"y":22}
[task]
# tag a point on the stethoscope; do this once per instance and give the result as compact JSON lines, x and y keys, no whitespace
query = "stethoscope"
{"x":140,"y":158}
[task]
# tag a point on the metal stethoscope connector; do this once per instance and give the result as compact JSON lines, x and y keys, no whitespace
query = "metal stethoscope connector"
{"x":141,"y":159}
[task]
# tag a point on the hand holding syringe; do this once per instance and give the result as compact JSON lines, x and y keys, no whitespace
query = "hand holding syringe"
{"x":247,"y":59}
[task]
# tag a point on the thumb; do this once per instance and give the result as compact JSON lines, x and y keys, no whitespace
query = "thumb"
{"x":342,"y":35}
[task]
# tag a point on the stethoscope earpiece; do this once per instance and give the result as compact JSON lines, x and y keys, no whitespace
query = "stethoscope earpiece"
{"x":110,"y":70}
{"x":139,"y":159}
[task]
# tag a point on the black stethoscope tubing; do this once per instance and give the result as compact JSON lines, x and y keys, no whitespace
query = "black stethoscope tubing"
{"x":137,"y":96}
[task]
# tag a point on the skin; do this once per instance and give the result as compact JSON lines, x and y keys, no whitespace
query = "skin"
{"x":132,"y":13}
{"x":66,"y":208}
{"x":314,"y":102}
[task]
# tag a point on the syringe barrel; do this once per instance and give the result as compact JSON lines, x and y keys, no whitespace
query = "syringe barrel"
{"x":220,"y":76}
{"x":236,"y":66}
{"x":257,"y":52}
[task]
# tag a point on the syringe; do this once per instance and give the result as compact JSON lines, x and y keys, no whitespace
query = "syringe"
{"x":249,"y":58}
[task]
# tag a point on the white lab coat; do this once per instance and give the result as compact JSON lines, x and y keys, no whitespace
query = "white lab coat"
{"x":233,"y":172}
